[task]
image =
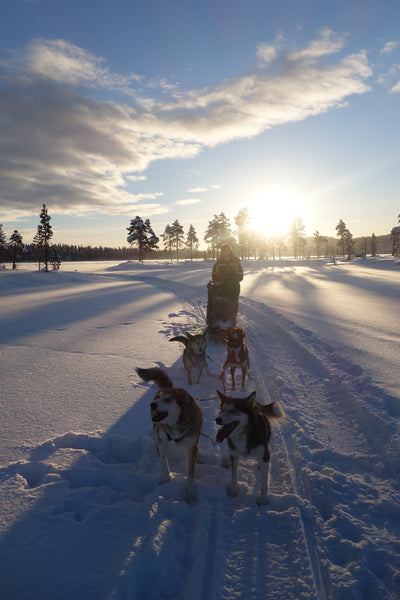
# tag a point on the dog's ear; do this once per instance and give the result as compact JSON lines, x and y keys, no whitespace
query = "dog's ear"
{"x":222,"y":397}
{"x":249,"y":401}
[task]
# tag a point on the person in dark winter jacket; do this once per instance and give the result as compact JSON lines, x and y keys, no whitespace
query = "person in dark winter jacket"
{"x":228,"y":272}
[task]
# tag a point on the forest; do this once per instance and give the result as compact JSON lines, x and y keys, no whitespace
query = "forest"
{"x":175,"y":244}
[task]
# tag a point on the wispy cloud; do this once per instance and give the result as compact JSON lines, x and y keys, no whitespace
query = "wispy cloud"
{"x":266,"y":53}
{"x":197,"y":190}
{"x":327,"y":43}
{"x":61,"y":145}
{"x":389,"y":47}
{"x":65,"y":63}
{"x":188,"y":201}
{"x":396,"y":88}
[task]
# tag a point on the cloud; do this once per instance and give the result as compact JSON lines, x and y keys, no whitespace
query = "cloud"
{"x":77,"y":153}
{"x":65,"y":63}
{"x":395,"y":89}
{"x":327,"y":43}
{"x":188,"y":201}
{"x":197,"y":190}
{"x":266,"y":53}
{"x":389,"y":47}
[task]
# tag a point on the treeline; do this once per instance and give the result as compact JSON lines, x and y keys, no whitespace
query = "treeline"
{"x":247,"y":243}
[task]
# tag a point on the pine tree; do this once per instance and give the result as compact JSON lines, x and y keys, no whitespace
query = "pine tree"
{"x":348,"y":243}
{"x":38,"y":246}
{"x":192,"y":240}
{"x":141,"y":234}
{"x":374,"y":245}
{"x":218,"y":232}
{"x":44,"y":235}
{"x":177,"y":236}
{"x":341,"y":229}
{"x":3,"y":243}
{"x":297,"y":237}
{"x":319,"y":240}
{"x":242,"y":222}
{"x":55,"y":259}
{"x":16,"y":245}
{"x":167,"y":238}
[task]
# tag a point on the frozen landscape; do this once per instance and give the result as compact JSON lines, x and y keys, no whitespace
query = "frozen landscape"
{"x":82,"y":515}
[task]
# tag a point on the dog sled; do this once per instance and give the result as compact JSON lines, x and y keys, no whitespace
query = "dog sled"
{"x":221,"y":310}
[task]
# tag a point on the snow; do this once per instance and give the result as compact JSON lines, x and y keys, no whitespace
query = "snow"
{"x":82,"y":514}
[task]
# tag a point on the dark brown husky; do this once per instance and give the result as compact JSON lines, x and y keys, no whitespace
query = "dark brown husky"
{"x":237,"y":355}
{"x":245,"y":425}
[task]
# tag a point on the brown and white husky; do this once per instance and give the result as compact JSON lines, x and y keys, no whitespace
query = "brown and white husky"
{"x":176,"y":418}
{"x":245,"y":425}
{"x":194,"y":354}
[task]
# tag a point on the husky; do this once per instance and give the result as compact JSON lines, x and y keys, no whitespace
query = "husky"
{"x":194,"y":354}
{"x":176,"y":418}
{"x":237,"y":355}
{"x":245,"y":424}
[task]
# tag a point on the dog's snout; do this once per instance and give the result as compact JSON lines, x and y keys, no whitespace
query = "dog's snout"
{"x":153,"y":406}
{"x":218,"y":421}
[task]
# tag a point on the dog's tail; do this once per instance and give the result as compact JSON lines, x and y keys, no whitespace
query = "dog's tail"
{"x":157,"y":375}
{"x":272,"y":411}
{"x":180,"y":338}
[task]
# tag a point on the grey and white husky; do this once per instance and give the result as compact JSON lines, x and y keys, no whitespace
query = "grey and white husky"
{"x":245,"y":425}
{"x":194,"y":353}
{"x":176,"y":418}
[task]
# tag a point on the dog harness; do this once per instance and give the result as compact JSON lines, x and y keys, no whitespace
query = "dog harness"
{"x":181,"y":429}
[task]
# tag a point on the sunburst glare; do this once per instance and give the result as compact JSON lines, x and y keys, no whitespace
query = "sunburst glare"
{"x":272,"y":211}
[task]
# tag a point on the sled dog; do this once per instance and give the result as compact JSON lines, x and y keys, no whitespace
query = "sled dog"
{"x":194,"y":353}
{"x":237,"y":355}
{"x":176,"y":418}
{"x":245,"y":424}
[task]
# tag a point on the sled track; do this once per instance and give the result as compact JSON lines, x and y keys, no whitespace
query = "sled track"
{"x":305,"y":527}
{"x":239,"y":535}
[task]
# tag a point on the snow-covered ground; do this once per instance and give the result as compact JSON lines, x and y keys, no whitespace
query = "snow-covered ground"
{"x":82,"y":515}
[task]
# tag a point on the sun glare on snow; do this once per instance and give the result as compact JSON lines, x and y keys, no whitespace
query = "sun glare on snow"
{"x":273,"y":212}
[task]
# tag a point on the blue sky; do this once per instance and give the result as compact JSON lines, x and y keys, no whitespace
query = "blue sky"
{"x":180,"y":110}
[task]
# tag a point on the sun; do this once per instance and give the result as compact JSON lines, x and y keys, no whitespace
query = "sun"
{"x":273,"y":211}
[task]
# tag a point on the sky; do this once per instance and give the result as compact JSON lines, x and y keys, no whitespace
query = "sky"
{"x":182,"y":110}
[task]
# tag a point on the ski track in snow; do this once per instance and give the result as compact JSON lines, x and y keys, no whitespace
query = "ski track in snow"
{"x":308,"y":543}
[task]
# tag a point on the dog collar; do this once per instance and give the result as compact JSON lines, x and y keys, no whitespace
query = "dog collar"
{"x":181,"y":429}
